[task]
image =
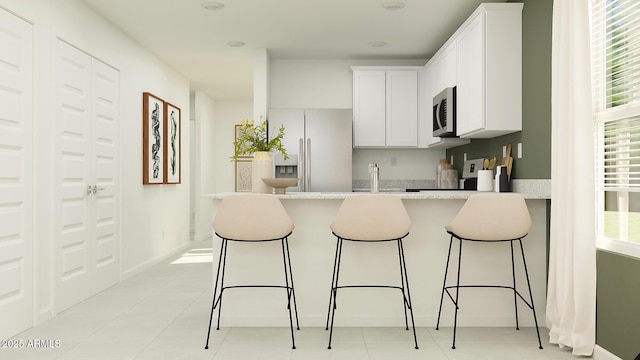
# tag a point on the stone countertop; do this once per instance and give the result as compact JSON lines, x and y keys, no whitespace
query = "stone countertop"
{"x":537,"y":189}
{"x":422,"y":195}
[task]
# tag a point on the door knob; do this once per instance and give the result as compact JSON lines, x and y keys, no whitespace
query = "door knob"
{"x":94,"y":189}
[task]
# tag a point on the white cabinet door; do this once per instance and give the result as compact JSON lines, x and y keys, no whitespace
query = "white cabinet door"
{"x":402,"y":108}
{"x":489,"y":93}
{"x":369,"y":92}
{"x":448,"y":67}
{"x":385,"y":107}
{"x":470,"y":89}
{"x":16,"y":176}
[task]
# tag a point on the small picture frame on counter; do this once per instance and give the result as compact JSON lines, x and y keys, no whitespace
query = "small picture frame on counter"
{"x":243,"y":174}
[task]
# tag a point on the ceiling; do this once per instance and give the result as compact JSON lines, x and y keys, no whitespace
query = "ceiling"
{"x":193,"y":40}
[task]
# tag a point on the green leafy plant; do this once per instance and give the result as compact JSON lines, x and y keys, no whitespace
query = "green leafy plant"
{"x":252,"y":138}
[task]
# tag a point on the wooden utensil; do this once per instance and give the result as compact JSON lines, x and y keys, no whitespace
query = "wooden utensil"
{"x":492,"y":162}
{"x":485,"y":164}
{"x":508,"y":161}
{"x":507,"y":155}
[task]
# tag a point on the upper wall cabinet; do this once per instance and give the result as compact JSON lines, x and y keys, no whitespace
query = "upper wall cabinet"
{"x":385,"y":106}
{"x":440,"y":73}
{"x":489,"y":72}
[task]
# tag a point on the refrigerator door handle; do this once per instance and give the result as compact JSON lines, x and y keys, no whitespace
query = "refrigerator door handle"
{"x":301,"y":163}
{"x":307,"y":163}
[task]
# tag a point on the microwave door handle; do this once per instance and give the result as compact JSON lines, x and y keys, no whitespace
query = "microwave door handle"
{"x":439,"y":118}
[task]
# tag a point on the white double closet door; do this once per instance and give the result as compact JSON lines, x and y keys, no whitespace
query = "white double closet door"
{"x":85,"y":182}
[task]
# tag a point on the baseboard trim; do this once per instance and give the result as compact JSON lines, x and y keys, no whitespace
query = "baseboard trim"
{"x":600,"y":353}
{"x":203,"y":237}
{"x":127,"y":274}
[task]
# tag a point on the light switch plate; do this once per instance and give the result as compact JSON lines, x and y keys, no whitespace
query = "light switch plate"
{"x":519,"y":150}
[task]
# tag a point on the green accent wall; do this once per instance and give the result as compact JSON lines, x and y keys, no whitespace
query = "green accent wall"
{"x":536,"y":102}
{"x":618,"y":278}
{"x":618,"y":304}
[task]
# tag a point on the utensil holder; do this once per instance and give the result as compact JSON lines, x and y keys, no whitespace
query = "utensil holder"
{"x":485,"y":180}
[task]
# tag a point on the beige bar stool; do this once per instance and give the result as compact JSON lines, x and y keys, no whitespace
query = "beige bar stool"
{"x":490,"y":218}
{"x":269,"y":221}
{"x":368,"y":218}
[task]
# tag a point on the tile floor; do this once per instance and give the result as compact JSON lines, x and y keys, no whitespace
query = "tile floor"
{"x":163,"y":312}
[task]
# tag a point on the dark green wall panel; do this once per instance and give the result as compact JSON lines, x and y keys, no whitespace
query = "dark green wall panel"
{"x":536,"y":101}
{"x":618,"y":305}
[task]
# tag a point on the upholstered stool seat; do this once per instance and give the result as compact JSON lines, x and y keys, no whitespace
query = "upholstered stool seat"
{"x":368,"y":218}
{"x":489,"y":218}
{"x":268,"y":221}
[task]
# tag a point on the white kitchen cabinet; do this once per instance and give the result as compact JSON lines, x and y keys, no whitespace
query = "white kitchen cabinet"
{"x":385,"y":106}
{"x":489,"y":72}
{"x":446,"y":68}
{"x":369,"y":104}
{"x":440,"y":73}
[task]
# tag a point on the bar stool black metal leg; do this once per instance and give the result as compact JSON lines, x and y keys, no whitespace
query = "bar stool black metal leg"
{"x":402,"y":281}
{"x":408,"y":297}
{"x":455,"y":317}
{"x":444,"y":282}
{"x":515,"y":292}
{"x":333,"y":283}
{"x":533,"y":308}
{"x":293,"y":289}
{"x":289,"y":291}
{"x":215,"y":290}
{"x":224,"y":267}
{"x":334,"y":290}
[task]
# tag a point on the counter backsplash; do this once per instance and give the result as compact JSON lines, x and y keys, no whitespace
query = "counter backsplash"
{"x":528,"y":186}
{"x":394,"y":185}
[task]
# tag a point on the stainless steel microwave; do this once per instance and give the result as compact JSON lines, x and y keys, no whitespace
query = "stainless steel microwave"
{"x":444,"y":113}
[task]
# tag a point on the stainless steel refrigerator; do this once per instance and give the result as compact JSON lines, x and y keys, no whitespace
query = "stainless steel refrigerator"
{"x":320,"y":140}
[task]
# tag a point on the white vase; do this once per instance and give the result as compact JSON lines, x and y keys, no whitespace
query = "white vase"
{"x":262,"y":167}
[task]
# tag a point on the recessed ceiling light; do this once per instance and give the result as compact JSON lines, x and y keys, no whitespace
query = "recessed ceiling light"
{"x":211,"y":5}
{"x":235,"y":43}
{"x":393,"y":5}
{"x":377,"y":44}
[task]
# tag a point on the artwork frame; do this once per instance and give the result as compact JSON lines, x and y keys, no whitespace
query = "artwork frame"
{"x":153,"y":144}
{"x":243,"y":173}
{"x":243,"y":152}
{"x":173,"y":144}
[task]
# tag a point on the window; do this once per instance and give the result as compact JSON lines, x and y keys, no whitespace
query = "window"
{"x":616,"y":90}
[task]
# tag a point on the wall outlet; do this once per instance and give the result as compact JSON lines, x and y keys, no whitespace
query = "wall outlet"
{"x":504,"y":151}
{"x":464,"y":157}
{"x":394,"y":161}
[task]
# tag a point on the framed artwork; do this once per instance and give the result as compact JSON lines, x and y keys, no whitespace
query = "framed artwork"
{"x":243,"y":174}
{"x":173,"y":162}
{"x":153,"y":131}
{"x":237,"y":135}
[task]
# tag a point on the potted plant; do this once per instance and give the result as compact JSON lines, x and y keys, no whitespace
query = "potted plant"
{"x":254,"y":139}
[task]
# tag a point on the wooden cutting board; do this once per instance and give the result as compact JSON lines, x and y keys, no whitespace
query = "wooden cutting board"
{"x":508,"y":161}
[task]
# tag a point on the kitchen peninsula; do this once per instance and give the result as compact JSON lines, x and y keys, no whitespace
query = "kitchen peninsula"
{"x":312,"y":247}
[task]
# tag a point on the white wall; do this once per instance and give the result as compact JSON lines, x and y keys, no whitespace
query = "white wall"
{"x":328,"y":84}
{"x":228,"y":114}
{"x":318,"y":84}
{"x":154,"y":219}
{"x":214,"y":134}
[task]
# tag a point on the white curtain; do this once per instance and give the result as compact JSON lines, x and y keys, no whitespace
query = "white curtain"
{"x":571,"y":295}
